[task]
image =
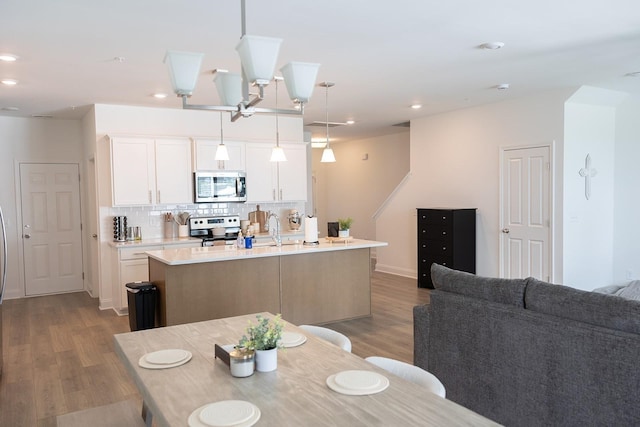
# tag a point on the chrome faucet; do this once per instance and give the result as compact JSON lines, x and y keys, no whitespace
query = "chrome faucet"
{"x":277,"y":239}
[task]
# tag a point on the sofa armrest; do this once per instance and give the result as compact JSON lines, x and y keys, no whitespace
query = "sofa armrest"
{"x":421,"y":315}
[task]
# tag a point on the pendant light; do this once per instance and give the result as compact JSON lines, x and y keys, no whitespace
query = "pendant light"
{"x":327,"y":153}
{"x":277,"y":154}
{"x":221,"y":151}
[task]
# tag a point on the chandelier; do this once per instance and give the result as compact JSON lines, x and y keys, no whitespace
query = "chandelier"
{"x":258,"y":57}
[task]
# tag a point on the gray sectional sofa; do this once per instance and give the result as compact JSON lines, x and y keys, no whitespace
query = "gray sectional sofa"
{"x":528,"y":353}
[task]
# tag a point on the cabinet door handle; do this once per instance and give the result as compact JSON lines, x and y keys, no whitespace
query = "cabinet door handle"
{"x":274,"y":194}
{"x":150,"y":197}
{"x":281,"y":194}
{"x":158,"y":196}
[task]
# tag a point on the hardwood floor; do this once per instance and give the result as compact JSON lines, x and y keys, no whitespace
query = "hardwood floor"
{"x":59,"y":357}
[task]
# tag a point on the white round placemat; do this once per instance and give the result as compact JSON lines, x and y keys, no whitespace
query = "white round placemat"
{"x":144,"y":363}
{"x":226,"y":413}
{"x":166,"y":357}
{"x":357,"y":383}
{"x":292,"y":339}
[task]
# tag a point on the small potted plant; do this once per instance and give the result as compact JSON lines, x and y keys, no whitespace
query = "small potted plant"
{"x":345,"y":225}
{"x":264,"y":338}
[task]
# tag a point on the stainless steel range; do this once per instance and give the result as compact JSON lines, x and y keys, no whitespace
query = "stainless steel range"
{"x":215,"y":229}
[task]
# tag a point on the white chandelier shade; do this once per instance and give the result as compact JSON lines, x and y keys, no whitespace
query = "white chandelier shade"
{"x":258,"y":56}
{"x":229,"y":86}
{"x":300,"y":79}
{"x":184,"y":68}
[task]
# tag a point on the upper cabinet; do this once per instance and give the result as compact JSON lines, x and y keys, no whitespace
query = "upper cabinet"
{"x":276,"y":181}
{"x":204,"y":154}
{"x":151,"y":171}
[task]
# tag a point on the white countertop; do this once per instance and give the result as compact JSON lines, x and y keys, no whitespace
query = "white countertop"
{"x":182,"y":256}
{"x":154,"y":242}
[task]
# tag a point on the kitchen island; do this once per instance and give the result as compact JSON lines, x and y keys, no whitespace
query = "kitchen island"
{"x":307,"y":284}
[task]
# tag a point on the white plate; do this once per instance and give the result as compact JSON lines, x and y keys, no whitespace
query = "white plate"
{"x":166,"y":357}
{"x":292,"y":339}
{"x":357,"y":383}
{"x":226,"y":413}
{"x":145,"y":364}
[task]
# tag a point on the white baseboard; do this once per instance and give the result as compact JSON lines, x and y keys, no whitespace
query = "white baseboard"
{"x":105,"y":304}
{"x":404,"y":272}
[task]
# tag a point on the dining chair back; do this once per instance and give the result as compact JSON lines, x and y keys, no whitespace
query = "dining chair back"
{"x":410,"y":373}
{"x":330,"y":335}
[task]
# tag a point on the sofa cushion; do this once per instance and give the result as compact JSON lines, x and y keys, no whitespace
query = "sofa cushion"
{"x":504,"y":291}
{"x":594,"y":308}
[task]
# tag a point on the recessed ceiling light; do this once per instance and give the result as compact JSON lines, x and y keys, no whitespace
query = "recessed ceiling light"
{"x":492,"y":46}
{"x":634,"y":74}
{"x":7,"y":57}
{"x":416,"y":106}
{"x":9,"y":82}
{"x":503,"y":86}
{"x":119,"y":59}
{"x":10,"y":109}
{"x":160,"y":95}
{"x":350,"y":122}
{"x":42,"y":116}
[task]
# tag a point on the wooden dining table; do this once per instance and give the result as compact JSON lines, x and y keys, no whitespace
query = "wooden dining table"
{"x":295,"y":394}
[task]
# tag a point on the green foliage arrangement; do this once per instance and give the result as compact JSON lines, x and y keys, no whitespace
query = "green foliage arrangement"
{"x":345,"y":223}
{"x":264,"y":335}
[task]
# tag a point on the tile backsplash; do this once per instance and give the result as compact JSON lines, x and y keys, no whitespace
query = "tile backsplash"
{"x":150,"y":218}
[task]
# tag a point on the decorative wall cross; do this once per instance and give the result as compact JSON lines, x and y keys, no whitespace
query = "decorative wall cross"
{"x":587,"y":172}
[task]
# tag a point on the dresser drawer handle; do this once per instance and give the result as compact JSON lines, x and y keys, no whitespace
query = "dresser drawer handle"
{"x":444,"y":248}
{"x":444,"y":233}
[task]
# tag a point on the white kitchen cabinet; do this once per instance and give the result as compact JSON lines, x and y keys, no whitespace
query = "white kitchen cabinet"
{"x":276,"y":181}
{"x":204,"y":154}
{"x":174,"y":181}
{"x":148,"y":171}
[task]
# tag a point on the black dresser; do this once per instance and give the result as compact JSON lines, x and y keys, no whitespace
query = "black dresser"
{"x":446,"y":237}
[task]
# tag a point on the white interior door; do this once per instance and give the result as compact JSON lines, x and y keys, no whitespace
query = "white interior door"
{"x":51,"y":223}
{"x":526,"y":213}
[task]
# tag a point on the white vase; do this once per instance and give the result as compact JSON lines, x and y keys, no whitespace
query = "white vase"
{"x":343,"y":233}
{"x":266,"y":360}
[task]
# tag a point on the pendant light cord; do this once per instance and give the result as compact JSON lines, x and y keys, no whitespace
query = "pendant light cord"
{"x":327,"y":111}
{"x":221,"y":134}
{"x":277,"y":127}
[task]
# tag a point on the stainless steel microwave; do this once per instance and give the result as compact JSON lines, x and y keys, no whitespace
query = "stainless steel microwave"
{"x":214,"y":187}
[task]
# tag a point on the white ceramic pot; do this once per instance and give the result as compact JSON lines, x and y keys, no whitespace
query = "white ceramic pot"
{"x":266,"y":360}
{"x":343,"y":233}
{"x":183,"y":231}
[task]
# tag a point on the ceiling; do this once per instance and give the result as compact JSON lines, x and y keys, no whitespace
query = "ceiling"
{"x":382,"y":56}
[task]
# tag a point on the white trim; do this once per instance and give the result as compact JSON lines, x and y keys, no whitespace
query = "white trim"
{"x":390,"y":197}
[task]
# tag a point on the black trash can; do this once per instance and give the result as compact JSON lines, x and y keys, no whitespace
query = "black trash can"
{"x":142,"y":300}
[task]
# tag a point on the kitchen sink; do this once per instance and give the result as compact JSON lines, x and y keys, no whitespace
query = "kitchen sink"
{"x":285,"y":243}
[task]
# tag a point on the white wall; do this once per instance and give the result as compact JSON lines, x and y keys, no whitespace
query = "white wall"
{"x":590,"y":123}
{"x":455,"y":163}
{"x":364,"y":174}
{"x":626,"y":227}
{"x":29,"y":140}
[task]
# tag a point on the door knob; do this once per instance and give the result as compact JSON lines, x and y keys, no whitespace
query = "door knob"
{"x":27,"y":236}
{"x":95,"y":236}
{"x":505,"y":230}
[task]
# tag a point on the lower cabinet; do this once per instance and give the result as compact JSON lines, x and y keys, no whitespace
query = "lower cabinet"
{"x":132,"y":265}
